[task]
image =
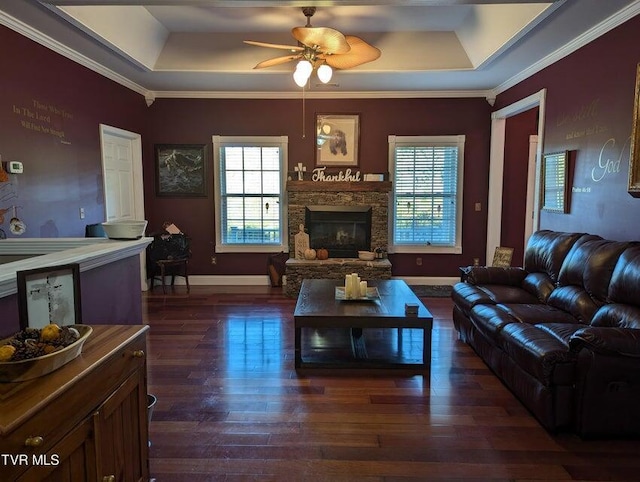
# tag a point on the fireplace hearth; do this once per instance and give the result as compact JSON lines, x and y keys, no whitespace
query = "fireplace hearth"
{"x":341,"y":230}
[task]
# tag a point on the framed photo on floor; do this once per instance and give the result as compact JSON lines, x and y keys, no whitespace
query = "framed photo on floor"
{"x":181,"y":170}
{"x":337,"y":139}
{"x":49,"y":295}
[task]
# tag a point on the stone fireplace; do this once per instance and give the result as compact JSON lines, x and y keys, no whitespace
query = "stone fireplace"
{"x":359,"y":195}
{"x":345,"y":209}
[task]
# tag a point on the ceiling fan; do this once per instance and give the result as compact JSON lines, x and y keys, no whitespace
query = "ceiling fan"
{"x":320,"y":48}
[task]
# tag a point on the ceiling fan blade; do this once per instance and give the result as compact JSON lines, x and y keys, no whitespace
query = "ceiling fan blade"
{"x":325,"y":39}
{"x":360,"y":53}
{"x":292,"y":48}
{"x":276,"y":61}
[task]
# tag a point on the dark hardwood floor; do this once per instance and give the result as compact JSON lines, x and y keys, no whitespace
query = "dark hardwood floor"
{"x":232,"y":407}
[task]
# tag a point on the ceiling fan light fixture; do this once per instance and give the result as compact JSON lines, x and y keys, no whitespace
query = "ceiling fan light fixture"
{"x":304,"y":67}
{"x":300,"y":78}
{"x":325,"y":73}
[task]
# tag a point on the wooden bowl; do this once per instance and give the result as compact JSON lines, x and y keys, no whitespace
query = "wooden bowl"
{"x":19,"y":371}
{"x":366,"y":255}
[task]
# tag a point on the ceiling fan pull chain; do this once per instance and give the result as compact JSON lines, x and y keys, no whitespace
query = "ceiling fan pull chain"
{"x":303,"y":113}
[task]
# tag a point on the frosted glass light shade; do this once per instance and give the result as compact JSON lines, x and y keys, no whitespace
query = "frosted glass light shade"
{"x":305,"y":67}
{"x":325,"y":73}
{"x":300,"y":78}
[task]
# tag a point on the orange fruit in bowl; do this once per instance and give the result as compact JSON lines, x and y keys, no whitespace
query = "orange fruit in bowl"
{"x":6,"y":352}
{"x":50,"y":332}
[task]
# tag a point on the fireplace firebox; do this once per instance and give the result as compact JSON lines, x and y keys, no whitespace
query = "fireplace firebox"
{"x":341,"y":230}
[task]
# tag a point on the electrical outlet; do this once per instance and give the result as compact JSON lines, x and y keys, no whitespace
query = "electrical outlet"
{"x":419,"y":261}
{"x":478,"y":206}
{"x":214,"y":260}
{"x":81,"y":213}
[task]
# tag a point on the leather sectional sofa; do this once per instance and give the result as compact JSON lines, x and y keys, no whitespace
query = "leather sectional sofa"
{"x":563,"y":332}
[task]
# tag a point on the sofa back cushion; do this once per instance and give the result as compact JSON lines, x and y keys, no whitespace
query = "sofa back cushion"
{"x":584,"y":278}
{"x":625,"y":280}
{"x":546,"y":251}
{"x":623,"y":300}
{"x":543,"y":259}
{"x":590,"y":265}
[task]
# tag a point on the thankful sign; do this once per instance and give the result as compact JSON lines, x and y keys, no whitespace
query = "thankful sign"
{"x":347,"y":176}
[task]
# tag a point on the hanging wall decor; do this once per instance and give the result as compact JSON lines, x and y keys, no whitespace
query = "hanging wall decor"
{"x":337,"y":139}
{"x":180,"y":170}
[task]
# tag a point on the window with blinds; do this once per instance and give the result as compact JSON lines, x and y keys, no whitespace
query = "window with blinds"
{"x":426,"y":206}
{"x":250,"y":205}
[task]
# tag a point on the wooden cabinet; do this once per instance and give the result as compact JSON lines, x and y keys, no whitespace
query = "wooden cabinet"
{"x":85,"y":421}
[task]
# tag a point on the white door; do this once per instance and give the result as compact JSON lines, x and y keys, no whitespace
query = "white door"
{"x":119,"y":174}
{"x":122,"y":179}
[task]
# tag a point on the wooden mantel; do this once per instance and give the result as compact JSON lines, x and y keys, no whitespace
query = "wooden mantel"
{"x":339,"y":186}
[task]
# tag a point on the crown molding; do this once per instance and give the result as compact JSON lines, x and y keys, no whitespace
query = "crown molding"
{"x":413,"y":94}
{"x":58,"y":47}
{"x":602,"y":28}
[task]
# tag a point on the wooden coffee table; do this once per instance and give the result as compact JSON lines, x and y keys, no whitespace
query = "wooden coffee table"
{"x":318,"y":308}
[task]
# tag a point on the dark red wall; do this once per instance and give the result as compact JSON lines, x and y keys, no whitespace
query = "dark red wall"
{"x":50,"y":111}
{"x":196,"y":120}
{"x":589,"y":111}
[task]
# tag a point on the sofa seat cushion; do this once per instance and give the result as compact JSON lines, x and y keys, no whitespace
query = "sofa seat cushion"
{"x":608,"y":341}
{"x":533,"y":314}
{"x":489,"y":320}
{"x":508,"y":294}
{"x":575,"y":300}
{"x":563,"y":332}
{"x":466,"y":296}
{"x":539,"y":353}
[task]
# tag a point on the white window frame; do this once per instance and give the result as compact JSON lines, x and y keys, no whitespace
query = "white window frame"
{"x":251,"y":141}
{"x":459,"y":141}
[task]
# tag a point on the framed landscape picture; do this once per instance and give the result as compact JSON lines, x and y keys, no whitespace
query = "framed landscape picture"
{"x":337,"y":139}
{"x":180,"y":170}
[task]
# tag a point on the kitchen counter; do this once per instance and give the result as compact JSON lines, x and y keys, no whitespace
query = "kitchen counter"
{"x":88,"y":252}
{"x":111,"y":275}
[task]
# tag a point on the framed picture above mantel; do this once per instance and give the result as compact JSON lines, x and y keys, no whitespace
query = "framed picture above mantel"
{"x":337,"y":139}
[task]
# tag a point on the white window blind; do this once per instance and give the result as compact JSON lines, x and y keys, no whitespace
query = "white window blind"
{"x":426,"y":202}
{"x":250,"y":179}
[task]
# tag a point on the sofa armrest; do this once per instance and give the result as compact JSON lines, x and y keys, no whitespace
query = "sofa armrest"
{"x":489,"y":275}
{"x":607,"y":341}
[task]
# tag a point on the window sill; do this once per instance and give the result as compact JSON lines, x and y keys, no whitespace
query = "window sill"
{"x":251,"y":248}
{"x":421,"y":249}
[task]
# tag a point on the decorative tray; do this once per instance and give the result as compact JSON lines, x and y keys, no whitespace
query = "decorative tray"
{"x":372,"y":294}
{"x":19,"y":371}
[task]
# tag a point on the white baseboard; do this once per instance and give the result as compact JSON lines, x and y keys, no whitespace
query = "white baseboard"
{"x":225,"y":280}
{"x":428,"y":280}
{"x":263,"y":280}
